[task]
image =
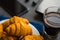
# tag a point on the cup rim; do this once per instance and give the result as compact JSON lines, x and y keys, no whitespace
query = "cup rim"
{"x":51,"y":24}
{"x":51,"y":7}
{"x":44,"y":16}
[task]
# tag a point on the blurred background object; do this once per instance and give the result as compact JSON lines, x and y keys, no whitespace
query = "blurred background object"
{"x":18,"y":7}
{"x":3,"y":12}
{"x":47,"y":3}
{"x":13,"y":7}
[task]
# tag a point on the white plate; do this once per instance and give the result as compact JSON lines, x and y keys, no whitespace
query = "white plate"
{"x":34,"y":30}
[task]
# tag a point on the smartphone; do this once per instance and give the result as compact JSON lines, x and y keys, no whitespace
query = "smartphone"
{"x":13,"y":7}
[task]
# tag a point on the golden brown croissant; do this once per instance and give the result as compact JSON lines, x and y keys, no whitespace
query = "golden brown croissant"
{"x":14,"y":19}
{"x":12,"y":38}
{"x":6,"y":24}
{"x":17,"y":19}
{"x":24,"y":20}
{"x":1,"y":30}
{"x":4,"y":36}
{"x":25,"y":29}
{"x":8,"y":38}
{"x":29,"y":37}
{"x":19,"y":29}
{"x":38,"y":37}
{"x":33,"y":37}
{"x":13,"y":29}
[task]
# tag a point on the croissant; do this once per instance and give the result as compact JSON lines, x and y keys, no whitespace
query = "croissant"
{"x":8,"y":38}
{"x":4,"y":36}
{"x":19,"y":29}
{"x":33,"y":37}
{"x":6,"y":24}
{"x":38,"y":37}
{"x":1,"y":30}
{"x":17,"y":19}
{"x":13,"y":29}
{"x":14,"y":19}
{"x":25,"y":29}
{"x":12,"y":38}
{"x":29,"y":37}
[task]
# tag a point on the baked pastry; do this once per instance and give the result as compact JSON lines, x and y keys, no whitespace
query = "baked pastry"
{"x":38,"y":37}
{"x":14,"y":19}
{"x":17,"y":19}
{"x":12,"y":38}
{"x":8,"y":38}
{"x":13,"y":29}
{"x":33,"y":37}
{"x":6,"y":24}
{"x":19,"y":29}
{"x":1,"y":30}
{"x":4,"y":36}
{"x":25,"y":29}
